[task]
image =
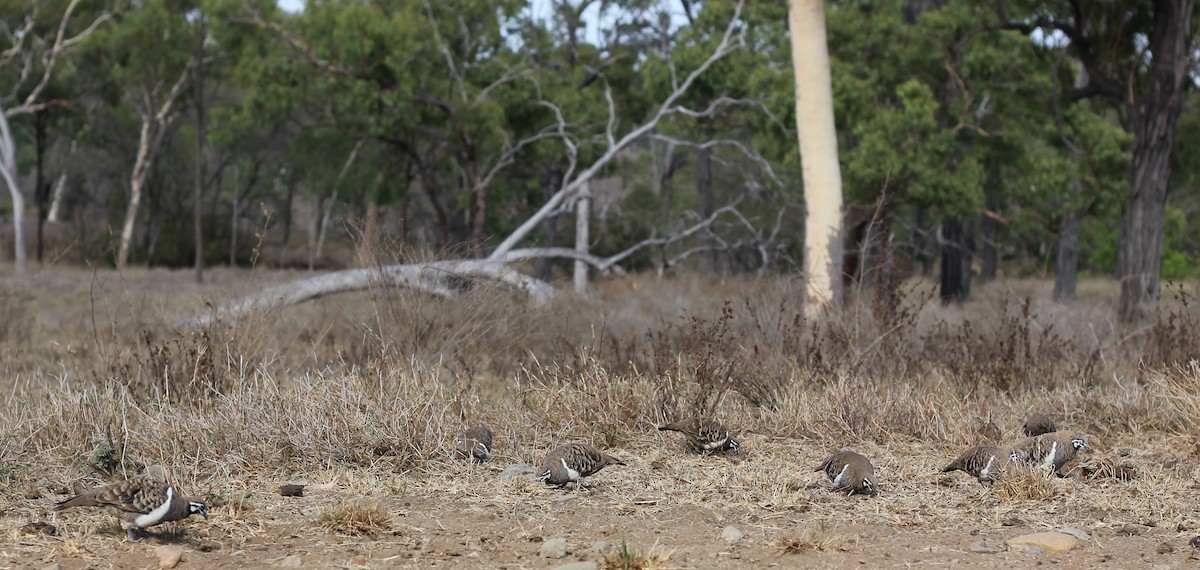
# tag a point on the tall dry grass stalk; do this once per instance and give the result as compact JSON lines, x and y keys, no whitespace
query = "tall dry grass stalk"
{"x":389,"y":377}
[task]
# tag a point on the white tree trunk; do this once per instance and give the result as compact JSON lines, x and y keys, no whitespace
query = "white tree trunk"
{"x":818,"y":154}
{"x":582,"y":216}
{"x":60,"y":188}
{"x":140,"y":167}
{"x":8,"y":171}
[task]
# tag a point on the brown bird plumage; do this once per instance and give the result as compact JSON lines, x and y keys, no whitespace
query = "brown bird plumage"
{"x":475,"y":444}
{"x":983,"y":462}
{"x":573,"y":462}
{"x":1038,"y":424}
{"x":1050,"y":450}
{"x":139,"y":504}
{"x":850,"y":472}
{"x":704,"y":436}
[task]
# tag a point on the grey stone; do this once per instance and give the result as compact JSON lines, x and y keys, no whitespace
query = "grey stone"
{"x":585,"y":565}
{"x":292,"y":561}
{"x":1077,"y":533}
{"x":554,"y":548}
{"x":731,"y":534}
{"x":516,"y":470}
{"x":601,"y":547}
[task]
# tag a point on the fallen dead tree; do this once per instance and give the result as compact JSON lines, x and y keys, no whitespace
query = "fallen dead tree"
{"x":441,"y":278}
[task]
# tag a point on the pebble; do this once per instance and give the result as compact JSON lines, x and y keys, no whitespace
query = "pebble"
{"x":731,"y":534}
{"x":168,"y":556}
{"x":1044,"y":542}
{"x":601,"y":547}
{"x":517,"y":470}
{"x":554,"y":548}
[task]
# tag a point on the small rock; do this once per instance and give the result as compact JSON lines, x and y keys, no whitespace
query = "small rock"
{"x":601,"y":547}
{"x":53,"y":567}
{"x":291,"y":490}
{"x":731,"y":534}
{"x":292,"y":561}
{"x":554,"y":548}
{"x":1044,"y":541}
{"x":1165,"y":548}
{"x":585,"y":565}
{"x":168,"y":555}
{"x":985,"y":548}
{"x":516,"y":470}
{"x":1195,"y":542}
{"x":1080,"y":534}
{"x":360,"y":560}
{"x":1012,"y":521}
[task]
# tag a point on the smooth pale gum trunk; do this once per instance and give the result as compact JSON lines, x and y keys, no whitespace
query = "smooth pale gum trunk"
{"x":140,"y":166}
{"x":582,"y":217}
{"x":818,"y":154}
{"x":8,"y":171}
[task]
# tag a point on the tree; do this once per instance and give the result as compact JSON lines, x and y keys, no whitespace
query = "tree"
{"x":1143,"y":68}
{"x":35,"y":58}
{"x":818,"y":152}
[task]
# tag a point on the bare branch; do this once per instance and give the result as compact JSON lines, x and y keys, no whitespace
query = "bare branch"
{"x":666,"y":108}
{"x":50,"y":59}
{"x":253,"y":17}
{"x":442,"y":47}
{"x":741,"y":147}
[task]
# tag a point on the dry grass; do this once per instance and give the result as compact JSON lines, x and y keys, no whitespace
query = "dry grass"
{"x":355,"y":518}
{"x":817,"y":538}
{"x":373,"y":388}
{"x":1023,"y":482}
{"x":625,"y":558}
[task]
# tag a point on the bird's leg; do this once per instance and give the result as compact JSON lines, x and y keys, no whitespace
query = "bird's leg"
{"x":133,"y":534}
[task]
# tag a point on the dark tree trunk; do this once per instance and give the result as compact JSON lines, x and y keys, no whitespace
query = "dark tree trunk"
{"x":1155,"y":118}
{"x":1067,"y":263}
{"x":41,"y":187}
{"x":704,"y":188}
{"x":957,"y":245}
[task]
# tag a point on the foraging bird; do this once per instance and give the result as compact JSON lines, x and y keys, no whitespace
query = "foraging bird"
{"x":1050,"y":450}
{"x":851,"y":472}
{"x":139,"y":504}
{"x":475,"y":444}
{"x":573,"y":462}
{"x":1038,"y":424}
{"x":704,"y":436}
{"x":983,"y":462}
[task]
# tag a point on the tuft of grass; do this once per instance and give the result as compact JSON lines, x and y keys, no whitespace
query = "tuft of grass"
{"x":355,"y":518}
{"x":1024,"y":483}
{"x":819,"y":538}
{"x":625,"y":558}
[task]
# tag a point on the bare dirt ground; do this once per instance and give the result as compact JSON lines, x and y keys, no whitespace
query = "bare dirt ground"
{"x":665,"y":503}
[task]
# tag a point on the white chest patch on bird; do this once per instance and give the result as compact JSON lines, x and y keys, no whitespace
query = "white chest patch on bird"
{"x":572,"y":474}
{"x":1048,"y":460}
{"x":154,"y":517}
{"x":987,"y":469}
{"x":709,"y":446}
{"x":841,"y":477}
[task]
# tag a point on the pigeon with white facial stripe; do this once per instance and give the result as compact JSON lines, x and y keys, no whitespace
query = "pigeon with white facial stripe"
{"x":139,"y":504}
{"x":1050,"y":450}
{"x":850,"y":472}
{"x":983,"y":462}
{"x":572,"y":462}
{"x":475,"y":444}
{"x":704,"y":436}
